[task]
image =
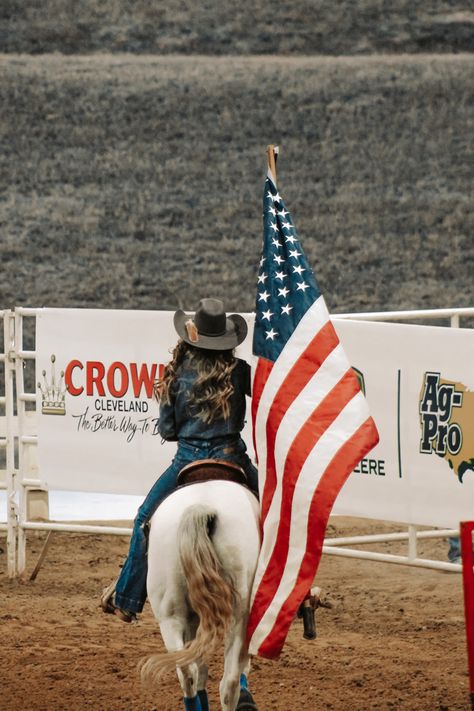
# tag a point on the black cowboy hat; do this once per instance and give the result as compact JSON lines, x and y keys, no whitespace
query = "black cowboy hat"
{"x":210,"y":328}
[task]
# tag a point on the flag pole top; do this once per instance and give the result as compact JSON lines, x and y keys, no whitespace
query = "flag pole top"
{"x":272,"y":153}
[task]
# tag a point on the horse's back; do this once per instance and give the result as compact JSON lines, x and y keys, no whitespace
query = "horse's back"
{"x":232,"y":501}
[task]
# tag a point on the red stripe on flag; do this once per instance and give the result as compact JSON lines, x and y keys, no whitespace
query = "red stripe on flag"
{"x":262,"y":371}
{"x":296,"y":379}
{"x":320,"y":419}
{"x":335,"y":475}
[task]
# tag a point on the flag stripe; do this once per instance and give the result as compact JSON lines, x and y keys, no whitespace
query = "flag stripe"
{"x":262,"y":371}
{"x":303,"y":443}
{"x":333,"y":478}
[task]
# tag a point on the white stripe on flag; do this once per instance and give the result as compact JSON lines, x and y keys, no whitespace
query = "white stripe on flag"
{"x":343,"y":427}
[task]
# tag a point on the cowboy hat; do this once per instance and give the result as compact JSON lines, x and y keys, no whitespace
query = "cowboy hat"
{"x":210,"y":328}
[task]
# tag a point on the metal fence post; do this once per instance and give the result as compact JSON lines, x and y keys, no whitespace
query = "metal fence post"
{"x":12,"y":508}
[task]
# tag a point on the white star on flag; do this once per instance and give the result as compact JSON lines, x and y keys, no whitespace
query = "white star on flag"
{"x":271,"y":334}
{"x":302,"y":286}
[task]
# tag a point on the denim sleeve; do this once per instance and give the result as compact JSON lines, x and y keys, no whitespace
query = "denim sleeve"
{"x":167,"y":422}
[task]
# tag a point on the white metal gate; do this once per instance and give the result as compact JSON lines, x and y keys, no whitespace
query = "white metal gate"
{"x":26,"y":475}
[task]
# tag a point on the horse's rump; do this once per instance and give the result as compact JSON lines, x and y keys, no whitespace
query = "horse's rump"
{"x":200,"y":564}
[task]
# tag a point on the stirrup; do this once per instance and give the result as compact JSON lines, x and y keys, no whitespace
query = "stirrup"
{"x":125,"y":615}
{"x":111,"y":608}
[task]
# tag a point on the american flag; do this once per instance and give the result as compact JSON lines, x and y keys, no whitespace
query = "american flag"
{"x":311,"y":426}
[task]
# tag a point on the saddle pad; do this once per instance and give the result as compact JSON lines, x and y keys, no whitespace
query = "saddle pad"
{"x":210,"y":470}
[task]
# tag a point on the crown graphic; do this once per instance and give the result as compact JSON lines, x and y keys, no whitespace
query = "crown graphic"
{"x":52,"y":392}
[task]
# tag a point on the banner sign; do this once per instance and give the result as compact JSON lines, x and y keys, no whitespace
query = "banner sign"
{"x":419,"y":384}
{"x":98,"y":420}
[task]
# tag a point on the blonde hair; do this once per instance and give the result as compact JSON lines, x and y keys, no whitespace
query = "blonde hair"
{"x":213,"y":386}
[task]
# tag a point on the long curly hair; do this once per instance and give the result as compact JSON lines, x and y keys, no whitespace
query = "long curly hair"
{"x":212,"y":389}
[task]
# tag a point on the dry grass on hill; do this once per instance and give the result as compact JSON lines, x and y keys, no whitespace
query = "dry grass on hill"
{"x":136,"y":182}
{"x":222,"y":28}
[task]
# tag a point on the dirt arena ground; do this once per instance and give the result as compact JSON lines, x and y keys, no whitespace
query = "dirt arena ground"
{"x":393,"y":639}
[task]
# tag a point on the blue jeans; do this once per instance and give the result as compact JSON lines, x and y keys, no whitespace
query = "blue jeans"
{"x":454,"y":552}
{"x":130,"y":592}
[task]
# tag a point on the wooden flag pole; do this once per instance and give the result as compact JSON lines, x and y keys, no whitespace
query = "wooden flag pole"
{"x":272,"y":153}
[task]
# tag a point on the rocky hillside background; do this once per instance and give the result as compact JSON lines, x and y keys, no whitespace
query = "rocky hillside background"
{"x":133,"y":180}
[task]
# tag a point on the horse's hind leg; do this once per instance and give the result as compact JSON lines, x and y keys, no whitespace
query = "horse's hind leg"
{"x":173,"y":633}
{"x":202,"y":683}
{"x":235,"y":664}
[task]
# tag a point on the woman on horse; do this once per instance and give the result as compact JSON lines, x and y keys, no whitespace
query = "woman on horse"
{"x":202,"y":408}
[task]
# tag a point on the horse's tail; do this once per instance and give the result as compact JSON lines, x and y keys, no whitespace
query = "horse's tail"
{"x":211,"y":593}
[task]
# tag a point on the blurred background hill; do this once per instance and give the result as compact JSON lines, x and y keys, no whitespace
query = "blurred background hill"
{"x":133,"y":141}
{"x":247,"y":27}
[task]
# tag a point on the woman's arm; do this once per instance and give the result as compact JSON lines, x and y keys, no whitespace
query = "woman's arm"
{"x":167,"y":422}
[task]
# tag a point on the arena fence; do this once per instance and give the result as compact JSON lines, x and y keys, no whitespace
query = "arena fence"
{"x":8,"y":468}
{"x":19,"y":439}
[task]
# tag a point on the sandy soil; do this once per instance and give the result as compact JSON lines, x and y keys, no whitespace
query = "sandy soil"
{"x":394,"y":638}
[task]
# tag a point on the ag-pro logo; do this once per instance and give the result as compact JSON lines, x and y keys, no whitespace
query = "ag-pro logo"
{"x":446,"y":419}
{"x":438,"y":432}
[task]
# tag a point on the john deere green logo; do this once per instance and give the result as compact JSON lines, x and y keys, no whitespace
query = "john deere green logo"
{"x":360,"y":377}
{"x":447,"y":422}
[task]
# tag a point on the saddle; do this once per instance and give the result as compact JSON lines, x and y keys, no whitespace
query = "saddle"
{"x":211,"y":470}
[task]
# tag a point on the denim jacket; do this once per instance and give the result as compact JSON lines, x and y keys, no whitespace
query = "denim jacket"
{"x":177,"y":420}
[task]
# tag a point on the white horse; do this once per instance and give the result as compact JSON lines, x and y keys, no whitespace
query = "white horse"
{"x":202,"y":554}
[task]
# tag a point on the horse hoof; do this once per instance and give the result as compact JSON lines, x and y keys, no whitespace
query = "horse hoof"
{"x":246,"y":702}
